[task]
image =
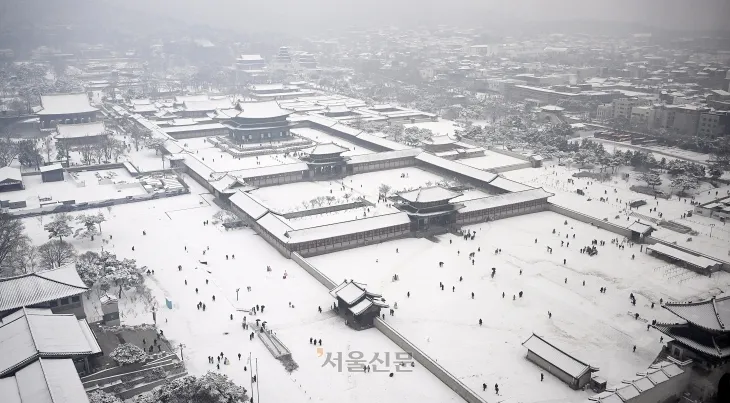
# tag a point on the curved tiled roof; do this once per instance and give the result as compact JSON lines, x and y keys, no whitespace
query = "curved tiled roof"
{"x":712,"y":314}
{"x":38,"y":287}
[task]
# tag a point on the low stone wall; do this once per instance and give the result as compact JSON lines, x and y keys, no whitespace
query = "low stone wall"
{"x":617,"y":229}
{"x":318,"y":275}
{"x":327,"y":209}
{"x":67,"y":208}
{"x":432,"y":366}
{"x":509,"y":153}
{"x":97,"y":167}
{"x":511,"y":167}
{"x":725,"y":265}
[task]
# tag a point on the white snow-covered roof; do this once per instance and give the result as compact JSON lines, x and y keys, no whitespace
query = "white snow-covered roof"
{"x":698,"y":261}
{"x":207,"y":105}
{"x":361,"y":306}
{"x":712,"y":314}
{"x":456,"y":167}
{"x":657,"y":376}
{"x":509,"y":185}
{"x":193,"y":128}
{"x":348,"y":227}
{"x":350,"y":292}
{"x":379,"y":141}
{"x":503,"y":200}
{"x":80,"y":130}
{"x":428,"y":195}
{"x":143,"y":108}
{"x":9,"y":390}
{"x":440,"y":140}
{"x":384,"y":156}
{"x":260,"y":110}
{"x":640,"y":227}
{"x":63,"y":104}
{"x":627,"y":392}
{"x":338,"y":109}
{"x":41,"y":286}
{"x":190,"y":98}
{"x":270,"y":170}
{"x":250,"y":58}
{"x":10,"y":173}
{"x":48,"y":381}
{"x":556,"y":357}
{"x":248,"y":205}
{"x":52,"y":167}
{"x":327,"y":148}
{"x":642,"y":383}
{"x":31,"y":333}
{"x":275,"y":225}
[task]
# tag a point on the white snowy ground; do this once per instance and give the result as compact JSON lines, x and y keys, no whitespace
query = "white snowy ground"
{"x":64,"y":190}
{"x":491,"y":160}
{"x":322,"y":137}
{"x":290,"y":197}
{"x":339,"y":216}
{"x":441,"y":127}
{"x":175,"y":223}
{"x":368,"y":183}
{"x":553,"y":178}
{"x":597,"y":328}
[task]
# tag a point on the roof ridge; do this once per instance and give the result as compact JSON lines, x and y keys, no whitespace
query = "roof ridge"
{"x":717,"y":314}
{"x":553,"y":346}
{"x":43,"y":371}
{"x":61,"y":282}
{"x":30,"y":330}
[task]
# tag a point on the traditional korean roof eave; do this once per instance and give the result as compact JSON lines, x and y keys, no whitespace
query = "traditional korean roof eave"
{"x":713,"y":351}
{"x":676,"y":308}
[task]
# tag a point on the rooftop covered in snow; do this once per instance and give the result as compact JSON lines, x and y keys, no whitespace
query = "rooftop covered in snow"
{"x":29,"y":333}
{"x":44,"y":381}
{"x":90,"y":129}
{"x":65,"y":104}
{"x":39,"y":287}
{"x":429,"y":195}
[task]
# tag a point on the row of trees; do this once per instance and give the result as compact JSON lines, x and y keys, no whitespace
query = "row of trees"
{"x":209,"y":388}
{"x":18,"y":255}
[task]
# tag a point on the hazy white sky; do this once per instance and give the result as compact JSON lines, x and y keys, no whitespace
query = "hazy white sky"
{"x":272,"y":14}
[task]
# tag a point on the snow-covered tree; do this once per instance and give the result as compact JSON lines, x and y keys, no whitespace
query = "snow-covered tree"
{"x":384,"y":189}
{"x":685,"y":182}
{"x":128,"y":353}
{"x":209,"y":388}
{"x":59,"y":227}
{"x":91,"y":225}
{"x":106,"y":271}
{"x":56,"y":253}
{"x":651,"y":178}
{"x":100,"y":396}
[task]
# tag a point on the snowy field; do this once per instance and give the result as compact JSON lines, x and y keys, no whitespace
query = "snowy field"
{"x":491,"y":160}
{"x":597,"y":328}
{"x":340,"y":216}
{"x":36,"y":189}
{"x":368,"y":183}
{"x":220,"y":161}
{"x":554,"y":178}
{"x":298,"y":196}
{"x":442,"y":127}
{"x":322,"y":137}
{"x":174,"y":224}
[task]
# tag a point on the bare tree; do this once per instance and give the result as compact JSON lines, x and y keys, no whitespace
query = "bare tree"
{"x":12,"y":240}
{"x":55,"y":253}
{"x":47,"y":146}
{"x":8,"y":151}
